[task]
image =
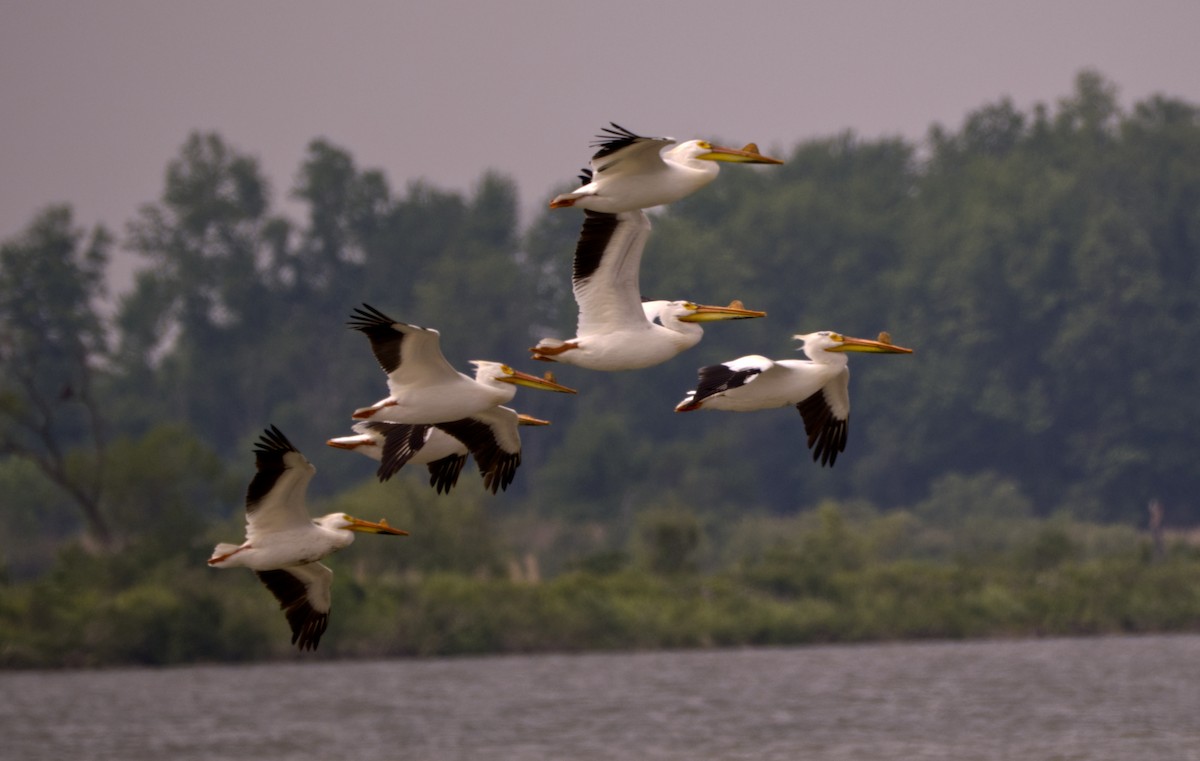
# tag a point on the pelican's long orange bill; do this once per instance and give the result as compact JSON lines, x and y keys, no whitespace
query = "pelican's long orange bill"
{"x":357,"y":524}
{"x":533,"y":381}
{"x":747,"y":155}
{"x":705,"y":313}
{"x":869,"y":346}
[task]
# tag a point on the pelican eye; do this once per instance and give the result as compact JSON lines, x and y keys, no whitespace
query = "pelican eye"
{"x":837,"y":337}
{"x":704,"y":144}
{"x":690,"y":306}
{"x":506,"y":370}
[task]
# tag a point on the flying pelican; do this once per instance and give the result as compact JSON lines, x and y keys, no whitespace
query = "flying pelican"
{"x":443,"y":447}
{"x":283,"y":544}
{"x":634,"y":172}
{"x":616,"y":330}
{"x":423,"y":387}
{"x":819,"y":387}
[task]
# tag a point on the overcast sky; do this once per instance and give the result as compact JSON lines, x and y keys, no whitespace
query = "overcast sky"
{"x":98,"y":96}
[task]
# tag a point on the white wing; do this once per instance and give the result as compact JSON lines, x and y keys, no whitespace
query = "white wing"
{"x":275,"y":497}
{"x":608,"y":257}
{"x":716,"y":379}
{"x":623,"y":152}
{"x":303,"y":592}
{"x":409,"y":354}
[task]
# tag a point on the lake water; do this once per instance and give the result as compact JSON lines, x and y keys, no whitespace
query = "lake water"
{"x":1112,"y":698}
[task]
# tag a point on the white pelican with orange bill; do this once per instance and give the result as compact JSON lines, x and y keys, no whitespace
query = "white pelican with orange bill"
{"x":283,"y":543}
{"x":630,"y":171}
{"x":422,"y":386}
{"x":616,"y":330}
{"x":819,"y":387}
{"x":491,"y":436}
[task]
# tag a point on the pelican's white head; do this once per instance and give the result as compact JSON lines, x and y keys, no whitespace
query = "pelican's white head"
{"x":493,"y":373}
{"x":666,"y":312}
{"x":342,"y":521}
{"x":827,"y":346}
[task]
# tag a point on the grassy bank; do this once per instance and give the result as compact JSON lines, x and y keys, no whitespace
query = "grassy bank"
{"x":832,"y":575}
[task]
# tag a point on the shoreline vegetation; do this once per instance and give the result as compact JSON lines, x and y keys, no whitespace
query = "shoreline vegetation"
{"x":837,"y":574}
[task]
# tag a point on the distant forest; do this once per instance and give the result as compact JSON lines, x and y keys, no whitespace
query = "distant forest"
{"x":1042,"y":264}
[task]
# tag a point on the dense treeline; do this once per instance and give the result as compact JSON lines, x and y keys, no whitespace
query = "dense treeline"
{"x":1043,"y":264}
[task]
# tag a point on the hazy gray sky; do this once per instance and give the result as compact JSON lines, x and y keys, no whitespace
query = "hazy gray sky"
{"x":99,"y":96}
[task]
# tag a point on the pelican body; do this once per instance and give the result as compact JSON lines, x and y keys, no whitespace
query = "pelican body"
{"x":616,"y":330}
{"x":423,"y":387}
{"x":283,"y":544}
{"x":631,"y":172}
{"x":491,"y":437}
{"x":818,"y":387}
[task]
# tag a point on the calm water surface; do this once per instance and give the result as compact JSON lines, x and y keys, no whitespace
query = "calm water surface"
{"x":1118,"y":699}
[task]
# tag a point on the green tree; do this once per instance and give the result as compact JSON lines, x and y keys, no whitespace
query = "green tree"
{"x":52,"y":346}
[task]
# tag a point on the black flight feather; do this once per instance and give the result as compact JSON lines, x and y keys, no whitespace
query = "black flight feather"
{"x":826,"y":433}
{"x":400,"y":442}
{"x":443,"y":473}
{"x":597,"y":231}
{"x":613,"y":139}
{"x":385,"y":339}
{"x":269,"y":451}
{"x":495,"y":465}
{"x":307,"y":624}
{"x":717,"y":378}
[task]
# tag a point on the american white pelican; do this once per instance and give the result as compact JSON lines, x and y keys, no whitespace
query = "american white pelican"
{"x":443,"y":447}
{"x":423,"y":387}
{"x":616,"y":330}
{"x":819,"y":387}
{"x":634,"y":172}
{"x":283,"y":543}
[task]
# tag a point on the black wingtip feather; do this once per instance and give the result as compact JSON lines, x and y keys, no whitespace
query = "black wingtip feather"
{"x":400,"y":442}
{"x":306,"y":623}
{"x":826,"y":434}
{"x":443,"y":473}
{"x":269,"y":452}
{"x":380,"y":329}
{"x":715,"y":379}
{"x":613,"y":138}
{"x":497,"y":466}
{"x":367,"y":317}
{"x":597,"y":230}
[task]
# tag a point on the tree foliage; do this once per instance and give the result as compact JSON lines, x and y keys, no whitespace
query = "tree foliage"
{"x":52,"y":343}
{"x":1042,"y":263}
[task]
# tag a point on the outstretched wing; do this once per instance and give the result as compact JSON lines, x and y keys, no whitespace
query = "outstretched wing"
{"x":303,"y":592}
{"x":400,"y":442}
{"x":608,"y":258}
{"x":716,"y":379}
{"x":623,"y":151}
{"x":494,"y":442}
{"x":275,"y":496}
{"x":826,"y":418}
{"x":409,"y":354}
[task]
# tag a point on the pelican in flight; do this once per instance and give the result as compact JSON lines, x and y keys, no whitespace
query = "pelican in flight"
{"x":422,"y":386}
{"x":631,"y":172}
{"x":616,"y":330}
{"x":819,"y":387}
{"x":283,"y":543}
{"x":491,"y":436}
